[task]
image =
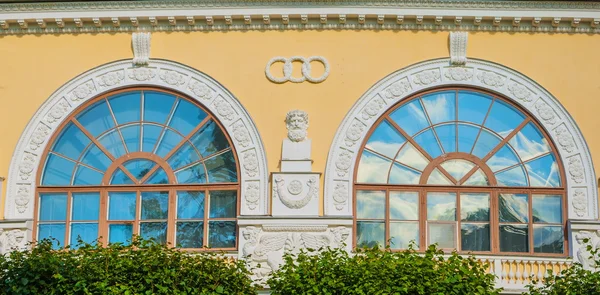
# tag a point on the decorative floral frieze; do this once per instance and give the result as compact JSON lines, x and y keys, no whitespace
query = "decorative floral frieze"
{"x":576,"y":169}
{"x":343,"y":163}
{"x":27,"y":166}
{"x":22,"y":198}
{"x":373,"y":108}
{"x":12,"y":239}
{"x":57,"y":112}
{"x":250,"y":163}
{"x":459,"y":74}
{"x":295,"y":187}
{"x":39,"y":136}
{"x":397,"y":89}
{"x":340,"y":196}
{"x":520,"y":92}
{"x":201,"y":90}
{"x":426,"y":77}
{"x":252,"y":195}
{"x":82,"y":91}
{"x":546,"y":112}
{"x":224,"y":109}
{"x":491,"y":79}
{"x":565,"y":139}
{"x":111,"y":79}
{"x":241,"y":135}
{"x":354,"y":133}
{"x":172,"y":77}
{"x":580,"y":202}
{"x":142,"y":74}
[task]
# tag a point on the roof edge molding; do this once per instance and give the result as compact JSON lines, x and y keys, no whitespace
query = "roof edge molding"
{"x":581,"y":183}
{"x":21,"y":182}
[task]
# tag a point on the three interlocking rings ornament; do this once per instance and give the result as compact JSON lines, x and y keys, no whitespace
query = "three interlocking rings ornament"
{"x":306,"y":69}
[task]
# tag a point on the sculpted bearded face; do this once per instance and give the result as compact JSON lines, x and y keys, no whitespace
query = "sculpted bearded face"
{"x":297,"y":125}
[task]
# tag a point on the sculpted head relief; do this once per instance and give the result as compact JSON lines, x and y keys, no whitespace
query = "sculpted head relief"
{"x":296,"y":122}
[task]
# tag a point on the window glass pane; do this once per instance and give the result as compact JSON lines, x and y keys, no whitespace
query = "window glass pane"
{"x":58,"y":171}
{"x":402,"y":233}
{"x":87,"y":176}
{"x":429,"y":143}
{"x":53,"y":206}
{"x":209,"y":139}
{"x":190,"y":204}
{"x":467,"y":134}
{"x":543,"y":171}
{"x":96,"y":158}
{"x":139,"y":167}
{"x":447,"y":136}
{"x":55,"y":231}
{"x":97,"y":118}
{"x":440,"y":106}
{"x":473,"y":106}
{"x":113,"y":143}
{"x":475,"y":207}
{"x":513,"y":238}
{"x":168,"y":142}
{"x":158,"y":177}
{"x":478,"y":178}
{"x":436,"y":177}
{"x":370,"y":234}
{"x":385,"y":140}
{"x":372,"y":168}
{"x":85,"y":206}
{"x":370,"y":204}
{"x":404,"y":205}
{"x":190,"y":234}
{"x":157,"y":106}
{"x":403,"y":175}
{"x":503,"y":118}
{"x":71,"y":142}
{"x":458,"y":168}
{"x":126,"y":106}
{"x":548,"y":239}
{"x":410,"y":156}
{"x":131,"y":135}
{"x":119,"y":177}
{"x":513,"y":208}
{"x":504,"y":157}
{"x":86,"y":232}
{"x":529,"y":142}
{"x":193,"y":174}
{"x":443,"y":234}
{"x":441,"y":206}
{"x":120,"y":233}
{"x":155,"y":205}
{"x":485,"y":143}
{"x":475,"y":237}
{"x":512,"y":177}
{"x":223,"y":204}
{"x":221,"y":168}
{"x":156,"y":231}
{"x":221,"y":234}
{"x":410,"y":117}
{"x":187,"y":116}
{"x":547,"y":208}
{"x":185,"y":155}
{"x":150,"y":137}
{"x":121,"y":205}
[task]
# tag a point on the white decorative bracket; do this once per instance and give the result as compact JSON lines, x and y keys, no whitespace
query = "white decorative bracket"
{"x":458,"y":48}
{"x":141,"y":48}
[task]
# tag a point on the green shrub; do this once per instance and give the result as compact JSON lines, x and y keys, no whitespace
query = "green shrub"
{"x":375,"y":271}
{"x":144,"y":267}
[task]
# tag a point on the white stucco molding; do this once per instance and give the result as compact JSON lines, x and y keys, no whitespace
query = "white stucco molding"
{"x":219,"y":101}
{"x":573,"y":151}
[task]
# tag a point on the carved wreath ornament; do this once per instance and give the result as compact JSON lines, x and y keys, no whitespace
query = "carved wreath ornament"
{"x":295,"y":187}
{"x":306,"y":69}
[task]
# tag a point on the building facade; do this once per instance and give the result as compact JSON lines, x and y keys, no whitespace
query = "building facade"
{"x":261,"y":128}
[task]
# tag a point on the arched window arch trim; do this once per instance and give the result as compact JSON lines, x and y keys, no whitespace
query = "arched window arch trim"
{"x":582,"y":195}
{"x":122,"y":74}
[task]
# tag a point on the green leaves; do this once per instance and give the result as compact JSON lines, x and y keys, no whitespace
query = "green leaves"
{"x":144,"y":267}
{"x":377,"y":271}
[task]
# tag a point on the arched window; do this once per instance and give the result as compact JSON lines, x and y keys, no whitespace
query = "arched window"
{"x":462,"y":168}
{"x":139,"y":161}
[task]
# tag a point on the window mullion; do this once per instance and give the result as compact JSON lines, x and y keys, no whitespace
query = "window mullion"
{"x":206,"y":211}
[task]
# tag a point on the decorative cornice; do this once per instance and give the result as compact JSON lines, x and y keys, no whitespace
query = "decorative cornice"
{"x":214,"y":15}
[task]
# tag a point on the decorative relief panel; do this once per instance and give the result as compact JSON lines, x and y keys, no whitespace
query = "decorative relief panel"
{"x":588,"y":236}
{"x":22,"y":198}
{"x":252,"y":195}
{"x":343,"y":163}
{"x":354,"y":133}
{"x":142,"y":74}
{"x":250,"y":163}
{"x":82,"y":91}
{"x":545,"y":113}
{"x":373,"y":108}
{"x":241,"y":135}
{"x":111,"y":79}
{"x":579,"y":201}
{"x":397,"y":89}
{"x":201,"y":90}
{"x":57,"y":112}
{"x":12,"y":239}
{"x":576,"y":169}
{"x":427,"y":77}
{"x":296,"y":194}
{"x":565,"y":139}
{"x":40,"y":135}
{"x":224,"y":109}
{"x":458,"y":74}
{"x":27,"y":166}
{"x":520,"y":92}
{"x":490,"y":79}
{"x":172,"y":77}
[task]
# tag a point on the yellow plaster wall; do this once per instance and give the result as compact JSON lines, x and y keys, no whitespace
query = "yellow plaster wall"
{"x":35,"y":66}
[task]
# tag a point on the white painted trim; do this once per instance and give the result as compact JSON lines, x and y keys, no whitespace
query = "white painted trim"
{"x":253,"y":174}
{"x":546,"y":109}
